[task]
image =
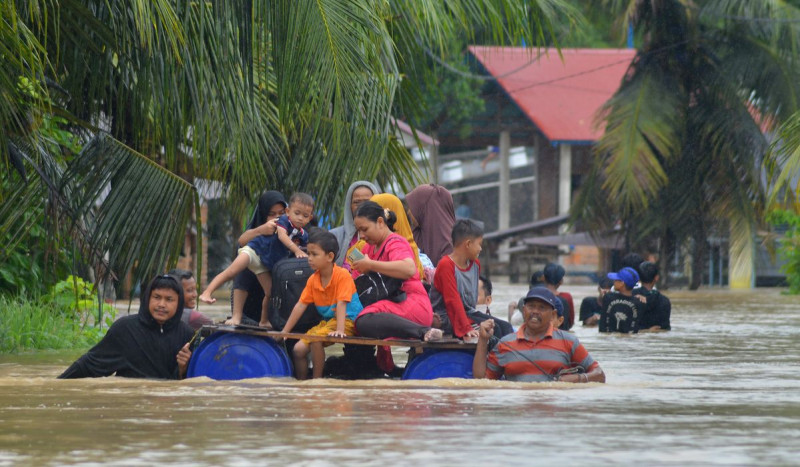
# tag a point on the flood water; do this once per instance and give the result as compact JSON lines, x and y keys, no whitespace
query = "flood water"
{"x":722,"y":388}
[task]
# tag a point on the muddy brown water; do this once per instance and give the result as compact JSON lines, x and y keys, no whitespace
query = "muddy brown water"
{"x":722,"y":388}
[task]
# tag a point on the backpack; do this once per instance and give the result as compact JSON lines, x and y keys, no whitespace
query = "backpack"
{"x":289,"y":277}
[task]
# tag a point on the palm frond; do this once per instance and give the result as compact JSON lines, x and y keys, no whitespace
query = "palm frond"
{"x":127,"y":206}
{"x":642,"y":128}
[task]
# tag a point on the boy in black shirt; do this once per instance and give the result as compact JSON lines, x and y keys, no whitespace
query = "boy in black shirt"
{"x":620,"y":308}
{"x":655,"y":316}
{"x":592,"y":307}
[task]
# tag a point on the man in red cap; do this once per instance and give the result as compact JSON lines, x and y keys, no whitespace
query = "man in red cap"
{"x":537,"y":352}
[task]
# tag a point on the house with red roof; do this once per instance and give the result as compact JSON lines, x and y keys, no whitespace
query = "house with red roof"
{"x":530,"y":149}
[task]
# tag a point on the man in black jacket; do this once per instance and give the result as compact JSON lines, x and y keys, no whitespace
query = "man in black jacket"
{"x":658,"y":307}
{"x":152,"y":344}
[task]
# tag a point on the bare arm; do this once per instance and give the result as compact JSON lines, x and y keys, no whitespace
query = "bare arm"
{"x":401,"y":269}
{"x":267,"y":228}
{"x":283,"y":236}
{"x":297,"y":312}
{"x":341,"y":315}
{"x":482,"y":350}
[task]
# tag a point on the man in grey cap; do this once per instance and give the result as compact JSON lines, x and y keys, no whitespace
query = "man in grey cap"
{"x":537,"y":352}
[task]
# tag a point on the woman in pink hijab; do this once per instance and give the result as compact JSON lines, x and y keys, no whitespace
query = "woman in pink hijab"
{"x":433,"y":216}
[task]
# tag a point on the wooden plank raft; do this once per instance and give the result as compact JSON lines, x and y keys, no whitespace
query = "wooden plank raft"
{"x":447,"y":343}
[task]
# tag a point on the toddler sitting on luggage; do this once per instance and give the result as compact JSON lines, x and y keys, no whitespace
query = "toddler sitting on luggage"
{"x":262,"y":252}
{"x":332,"y":291}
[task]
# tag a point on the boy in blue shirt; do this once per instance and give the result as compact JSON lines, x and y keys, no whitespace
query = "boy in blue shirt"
{"x":262,"y":252}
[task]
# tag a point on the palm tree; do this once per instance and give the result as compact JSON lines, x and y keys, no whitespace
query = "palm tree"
{"x":684,"y":133}
{"x":289,"y":94}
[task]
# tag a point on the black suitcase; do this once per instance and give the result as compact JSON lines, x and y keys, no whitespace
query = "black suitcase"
{"x":289,"y":278}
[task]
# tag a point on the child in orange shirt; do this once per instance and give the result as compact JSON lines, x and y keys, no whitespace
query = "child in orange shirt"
{"x":332,"y":291}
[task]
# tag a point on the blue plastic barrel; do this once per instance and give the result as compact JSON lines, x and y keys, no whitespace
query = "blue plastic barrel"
{"x":434,"y":364}
{"x":231,"y":356}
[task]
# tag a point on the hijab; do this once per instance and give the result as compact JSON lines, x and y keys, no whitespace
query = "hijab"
{"x":401,"y":227}
{"x":432,"y":208}
{"x":265,"y":202}
{"x":344,"y":233}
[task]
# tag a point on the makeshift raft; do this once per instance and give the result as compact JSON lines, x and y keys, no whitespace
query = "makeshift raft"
{"x":241,"y":352}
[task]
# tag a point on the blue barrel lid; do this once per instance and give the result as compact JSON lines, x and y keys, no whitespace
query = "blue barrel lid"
{"x":434,"y":364}
{"x":231,"y":356}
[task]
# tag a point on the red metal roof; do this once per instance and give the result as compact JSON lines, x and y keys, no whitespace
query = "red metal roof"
{"x":560,"y":97}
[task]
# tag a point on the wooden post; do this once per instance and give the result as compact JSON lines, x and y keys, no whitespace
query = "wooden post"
{"x":564,"y":180}
{"x":504,"y":209}
{"x":504,"y":198}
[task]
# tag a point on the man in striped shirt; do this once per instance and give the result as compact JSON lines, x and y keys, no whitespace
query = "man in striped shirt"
{"x":537,"y":352}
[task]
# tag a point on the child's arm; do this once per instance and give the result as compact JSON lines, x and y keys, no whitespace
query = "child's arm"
{"x":341,"y":315}
{"x":267,"y":228}
{"x":297,"y":312}
{"x":283,"y":236}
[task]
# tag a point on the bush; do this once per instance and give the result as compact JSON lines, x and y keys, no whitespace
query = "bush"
{"x":62,"y":319}
{"x":789,"y":248}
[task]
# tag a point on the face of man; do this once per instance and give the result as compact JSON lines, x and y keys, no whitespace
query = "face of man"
{"x":189,"y":293}
{"x":163,"y":304}
{"x":538,"y":316}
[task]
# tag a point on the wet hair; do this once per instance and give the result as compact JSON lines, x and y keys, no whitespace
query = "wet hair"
{"x":325,"y":240}
{"x":487,"y":285}
{"x":181,"y":274}
{"x":537,"y":278}
{"x":302,"y":198}
{"x":605,"y":283}
{"x":164,"y":281}
{"x":373,"y":211}
{"x":647,"y":272}
{"x":632,"y":260}
{"x":465,"y":229}
{"x":554,"y":273}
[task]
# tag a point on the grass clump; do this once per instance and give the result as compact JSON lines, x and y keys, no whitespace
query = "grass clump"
{"x":33,"y":325}
{"x":62,"y":319}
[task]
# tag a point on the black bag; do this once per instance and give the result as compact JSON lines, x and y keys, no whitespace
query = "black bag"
{"x":374,"y":286}
{"x":289,"y":277}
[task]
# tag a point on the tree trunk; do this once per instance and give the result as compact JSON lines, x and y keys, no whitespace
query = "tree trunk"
{"x":666,"y":252}
{"x":699,"y":255}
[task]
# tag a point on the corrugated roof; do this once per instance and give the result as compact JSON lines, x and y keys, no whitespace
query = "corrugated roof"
{"x":560,"y":97}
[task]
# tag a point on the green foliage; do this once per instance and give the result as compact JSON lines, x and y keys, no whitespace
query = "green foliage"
{"x":31,"y":267}
{"x":27,"y":324}
{"x":789,"y":248}
{"x":248,"y":95}
{"x":64,"y":318}
{"x":684,"y":133}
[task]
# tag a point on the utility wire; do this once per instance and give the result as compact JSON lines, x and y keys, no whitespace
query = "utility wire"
{"x":469,"y":75}
{"x":592,"y":70}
